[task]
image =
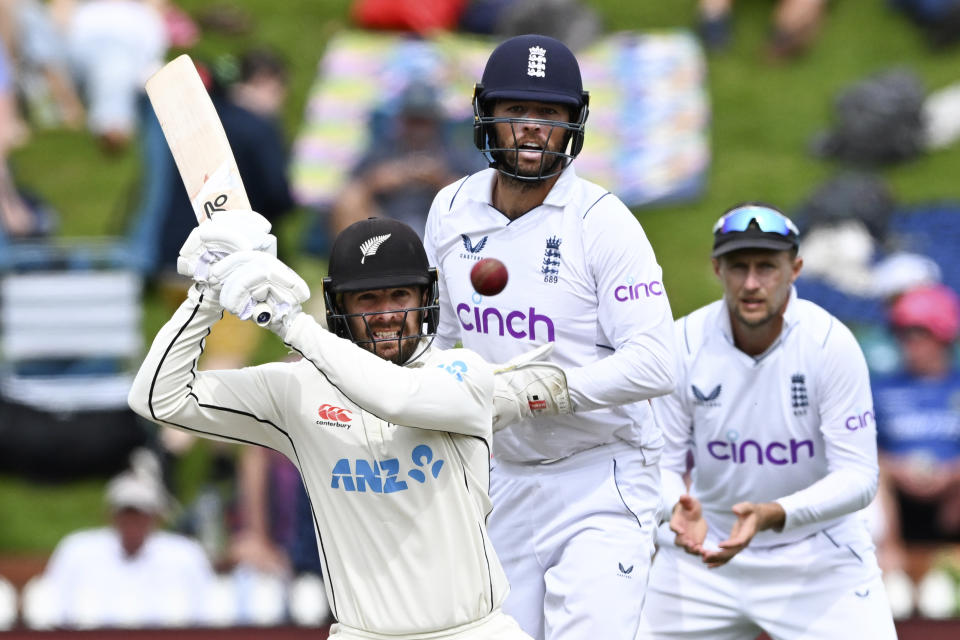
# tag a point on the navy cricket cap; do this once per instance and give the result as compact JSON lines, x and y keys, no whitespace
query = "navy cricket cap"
{"x":377,"y":253}
{"x":754,"y":225}
{"x":532,"y":67}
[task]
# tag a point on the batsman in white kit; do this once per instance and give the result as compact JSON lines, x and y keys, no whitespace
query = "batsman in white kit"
{"x":576,"y":496}
{"x":391,"y":436}
{"x":773,"y":403}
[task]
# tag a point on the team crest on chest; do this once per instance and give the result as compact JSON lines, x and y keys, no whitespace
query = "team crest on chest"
{"x":551,"y":260}
{"x":798,"y":394}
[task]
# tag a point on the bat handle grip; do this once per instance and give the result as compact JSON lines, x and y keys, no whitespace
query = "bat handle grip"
{"x":262,"y":314}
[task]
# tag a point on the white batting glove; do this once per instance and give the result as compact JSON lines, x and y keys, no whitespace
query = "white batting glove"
{"x":225,"y":233}
{"x":252,"y":277}
{"x":524,"y":387}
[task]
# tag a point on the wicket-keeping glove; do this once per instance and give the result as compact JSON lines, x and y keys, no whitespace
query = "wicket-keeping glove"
{"x":225,"y":233}
{"x":251,"y":277}
{"x":524,"y":387}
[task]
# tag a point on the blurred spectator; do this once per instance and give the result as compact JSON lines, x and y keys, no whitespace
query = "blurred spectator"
{"x":16,"y":217}
{"x":129,"y":573}
{"x":38,"y":53}
{"x":796,"y":24}
{"x":408,"y":161}
{"x":939,"y":19}
{"x":573,"y":22}
{"x":878,"y":120}
{"x":13,"y":130}
{"x":114,"y":46}
{"x":419,"y":16}
{"x":267,"y":486}
{"x":918,"y":425}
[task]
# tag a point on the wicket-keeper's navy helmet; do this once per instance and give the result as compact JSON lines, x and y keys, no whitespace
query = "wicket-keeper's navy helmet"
{"x":535,"y":68}
{"x":379,"y":253}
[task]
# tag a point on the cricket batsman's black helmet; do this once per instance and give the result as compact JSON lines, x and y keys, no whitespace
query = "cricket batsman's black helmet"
{"x":378,"y":253}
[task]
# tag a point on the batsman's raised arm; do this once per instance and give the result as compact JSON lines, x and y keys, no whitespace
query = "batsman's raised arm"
{"x":169,"y":390}
{"x":449,"y":391}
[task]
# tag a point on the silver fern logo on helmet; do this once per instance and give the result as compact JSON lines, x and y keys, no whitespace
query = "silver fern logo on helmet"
{"x":369,"y":248}
{"x":537,"y":62}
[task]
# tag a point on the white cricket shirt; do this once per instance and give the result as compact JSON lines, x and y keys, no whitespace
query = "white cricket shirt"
{"x":582,"y":275}
{"x":399,"y":488}
{"x":794,"y":425}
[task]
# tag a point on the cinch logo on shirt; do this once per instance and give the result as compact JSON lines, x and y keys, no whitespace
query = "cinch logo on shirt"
{"x":517,"y":323}
{"x":383,"y":476}
{"x":860,"y":421}
{"x":638,"y":291}
{"x":749,"y":451}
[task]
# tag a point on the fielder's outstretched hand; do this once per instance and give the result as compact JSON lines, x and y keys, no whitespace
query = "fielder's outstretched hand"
{"x":251,"y":277}
{"x":225,"y":233}
{"x":687,"y":522}
{"x":751,"y":518}
{"x":525,"y":387}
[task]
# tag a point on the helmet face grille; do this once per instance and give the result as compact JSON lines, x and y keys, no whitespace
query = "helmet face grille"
{"x":502,"y":154}
{"x":338,"y":322}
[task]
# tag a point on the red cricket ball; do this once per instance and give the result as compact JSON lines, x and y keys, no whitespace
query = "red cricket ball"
{"x":489,"y":277}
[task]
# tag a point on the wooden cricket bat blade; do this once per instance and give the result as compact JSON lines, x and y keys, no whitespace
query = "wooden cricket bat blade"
{"x":196,"y":138}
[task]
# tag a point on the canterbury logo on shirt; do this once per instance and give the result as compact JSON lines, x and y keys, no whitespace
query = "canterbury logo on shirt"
{"x":383,"y":476}
{"x":334,"y":416}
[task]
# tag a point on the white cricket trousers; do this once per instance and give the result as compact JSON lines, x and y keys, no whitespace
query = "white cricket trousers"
{"x":575,"y":538}
{"x":825,"y":587}
{"x":496,"y":626}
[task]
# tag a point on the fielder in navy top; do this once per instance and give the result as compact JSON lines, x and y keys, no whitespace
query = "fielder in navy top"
{"x":773,"y":404}
{"x":576,"y":495}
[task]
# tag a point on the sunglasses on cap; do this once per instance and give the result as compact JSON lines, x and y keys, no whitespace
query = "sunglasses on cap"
{"x":769,"y":221}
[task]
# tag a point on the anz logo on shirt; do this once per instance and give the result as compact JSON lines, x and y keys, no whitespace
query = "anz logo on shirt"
{"x":363,"y":475}
{"x":456,"y":369}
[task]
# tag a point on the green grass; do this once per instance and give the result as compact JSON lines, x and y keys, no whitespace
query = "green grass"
{"x":763,"y":118}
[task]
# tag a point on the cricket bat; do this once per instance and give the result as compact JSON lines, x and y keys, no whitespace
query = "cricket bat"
{"x":199,"y":145}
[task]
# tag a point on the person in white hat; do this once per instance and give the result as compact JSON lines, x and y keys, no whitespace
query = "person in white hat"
{"x":130,"y":573}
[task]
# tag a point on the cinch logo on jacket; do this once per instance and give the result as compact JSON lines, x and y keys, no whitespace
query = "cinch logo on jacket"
{"x":384,"y":476}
